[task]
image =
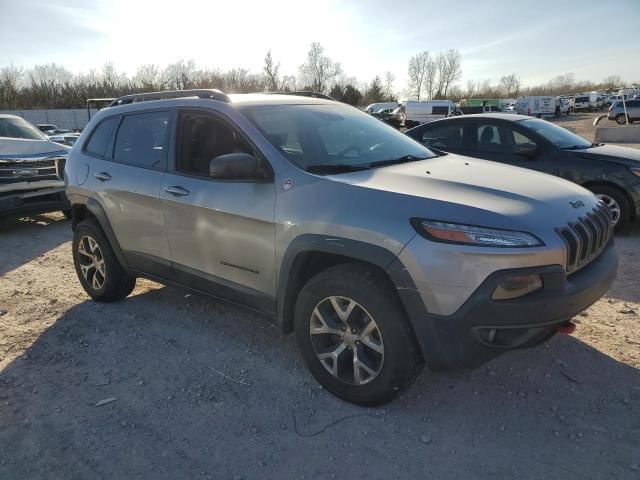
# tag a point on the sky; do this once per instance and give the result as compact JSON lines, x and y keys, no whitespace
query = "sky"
{"x":535,"y":39}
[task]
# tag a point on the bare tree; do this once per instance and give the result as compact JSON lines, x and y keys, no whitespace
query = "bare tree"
{"x":319,"y":70}
{"x":472,"y":88}
{"x":511,"y":85}
{"x":430,"y":78}
{"x":149,"y":78}
{"x":180,"y":75}
{"x":418,"y":66}
{"x":9,"y":86}
{"x":389,"y":78}
{"x":271,"y":72}
{"x":449,"y":70}
{"x":612,"y":81}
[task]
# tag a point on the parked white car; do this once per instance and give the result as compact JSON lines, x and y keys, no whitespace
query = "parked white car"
{"x":377,"y":107}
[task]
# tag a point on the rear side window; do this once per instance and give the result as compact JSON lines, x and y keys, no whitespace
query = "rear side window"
{"x":97,"y":144}
{"x":141,"y":140}
{"x":446,"y":136}
{"x":436,"y":110}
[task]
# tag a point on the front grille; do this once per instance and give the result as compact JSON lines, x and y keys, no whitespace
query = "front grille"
{"x":586,"y":238}
{"x":29,"y":170}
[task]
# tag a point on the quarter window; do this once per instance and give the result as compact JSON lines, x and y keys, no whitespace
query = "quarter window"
{"x":100,"y":137}
{"x":141,"y":140}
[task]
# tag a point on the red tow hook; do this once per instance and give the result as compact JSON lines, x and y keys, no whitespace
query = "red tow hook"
{"x":567,"y":328}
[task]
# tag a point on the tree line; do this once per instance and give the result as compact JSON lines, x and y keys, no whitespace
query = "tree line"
{"x":430,"y":76}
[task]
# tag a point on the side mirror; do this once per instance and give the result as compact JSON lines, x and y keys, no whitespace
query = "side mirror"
{"x":235,"y":166}
{"x":527,"y":150}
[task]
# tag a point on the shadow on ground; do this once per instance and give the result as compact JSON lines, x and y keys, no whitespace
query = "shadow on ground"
{"x":25,"y":238}
{"x":203,"y":389}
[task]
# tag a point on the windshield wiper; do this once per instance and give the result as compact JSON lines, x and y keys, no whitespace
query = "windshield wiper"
{"x":395,"y":161}
{"x":335,"y":168}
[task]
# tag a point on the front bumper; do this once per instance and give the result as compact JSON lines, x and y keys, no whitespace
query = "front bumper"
{"x":34,"y":201}
{"x":463,"y":338}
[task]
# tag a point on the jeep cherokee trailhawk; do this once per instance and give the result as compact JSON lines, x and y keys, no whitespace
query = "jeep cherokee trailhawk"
{"x":377,"y":252}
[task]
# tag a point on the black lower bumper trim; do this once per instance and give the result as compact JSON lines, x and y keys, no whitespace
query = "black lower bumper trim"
{"x":50,"y":202}
{"x":484,"y":328}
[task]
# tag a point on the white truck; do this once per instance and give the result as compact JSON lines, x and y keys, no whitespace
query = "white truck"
{"x":415,"y":112}
{"x":536,"y":106}
{"x":586,"y":102}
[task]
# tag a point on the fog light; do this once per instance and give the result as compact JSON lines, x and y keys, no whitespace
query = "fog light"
{"x":517,"y":286}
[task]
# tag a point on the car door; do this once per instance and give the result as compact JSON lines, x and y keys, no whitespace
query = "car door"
{"x":126,"y":159}
{"x":634,"y":109}
{"x":504,"y":142}
{"x":221,"y":232}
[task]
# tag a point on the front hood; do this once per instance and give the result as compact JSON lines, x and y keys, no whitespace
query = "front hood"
{"x":18,"y":147}
{"x":480,"y":192}
{"x":613,"y":153}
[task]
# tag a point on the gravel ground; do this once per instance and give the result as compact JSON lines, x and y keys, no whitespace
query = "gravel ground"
{"x":168,"y":385}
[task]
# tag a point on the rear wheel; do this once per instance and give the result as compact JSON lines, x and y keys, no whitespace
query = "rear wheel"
{"x":97,"y":266}
{"x":617,"y":203}
{"x":354,"y":335}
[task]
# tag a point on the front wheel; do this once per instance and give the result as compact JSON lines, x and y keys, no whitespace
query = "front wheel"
{"x":97,"y":266}
{"x":354,"y":335}
{"x":620,"y":119}
{"x":617,"y":203}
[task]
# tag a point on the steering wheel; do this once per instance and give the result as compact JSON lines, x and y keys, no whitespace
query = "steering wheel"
{"x":350,"y":148}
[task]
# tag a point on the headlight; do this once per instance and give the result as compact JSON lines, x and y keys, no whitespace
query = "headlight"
{"x":635,"y":171}
{"x":458,"y":233}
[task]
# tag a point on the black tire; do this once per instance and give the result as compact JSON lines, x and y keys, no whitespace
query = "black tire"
{"x":371,"y":290}
{"x":620,"y":120}
{"x":116,"y":282}
{"x":619,"y":197}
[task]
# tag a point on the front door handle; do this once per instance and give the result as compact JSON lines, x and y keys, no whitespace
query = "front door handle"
{"x":176,"y":191}
{"x":103,"y":176}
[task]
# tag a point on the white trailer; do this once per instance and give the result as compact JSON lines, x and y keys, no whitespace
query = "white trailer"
{"x":416,"y":112}
{"x":537,"y":106}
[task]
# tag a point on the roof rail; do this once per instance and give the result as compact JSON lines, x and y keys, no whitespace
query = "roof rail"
{"x":199,"y":93}
{"x":305,"y":94}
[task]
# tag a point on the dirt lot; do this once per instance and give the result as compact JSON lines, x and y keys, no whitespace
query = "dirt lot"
{"x":168,"y":385}
{"x":582,"y":124}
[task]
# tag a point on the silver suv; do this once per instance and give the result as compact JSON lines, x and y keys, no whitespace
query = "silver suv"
{"x":379,"y":254}
{"x":616,"y":111}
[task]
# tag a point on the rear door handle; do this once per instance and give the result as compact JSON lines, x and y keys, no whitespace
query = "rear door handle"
{"x":176,"y":191}
{"x":103,"y":176}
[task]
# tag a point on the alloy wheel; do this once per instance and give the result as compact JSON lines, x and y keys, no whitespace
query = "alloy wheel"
{"x":612,"y":205}
{"x":91,"y":262}
{"x":347,"y":341}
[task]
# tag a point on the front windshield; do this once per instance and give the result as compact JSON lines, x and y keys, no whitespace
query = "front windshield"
{"x":16,"y":127}
{"x":322,"y":137}
{"x":560,"y":137}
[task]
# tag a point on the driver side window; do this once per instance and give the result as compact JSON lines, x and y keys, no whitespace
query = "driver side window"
{"x":201,"y":138}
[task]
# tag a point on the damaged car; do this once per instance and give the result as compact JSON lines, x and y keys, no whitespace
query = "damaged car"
{"x":31,"y":169}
